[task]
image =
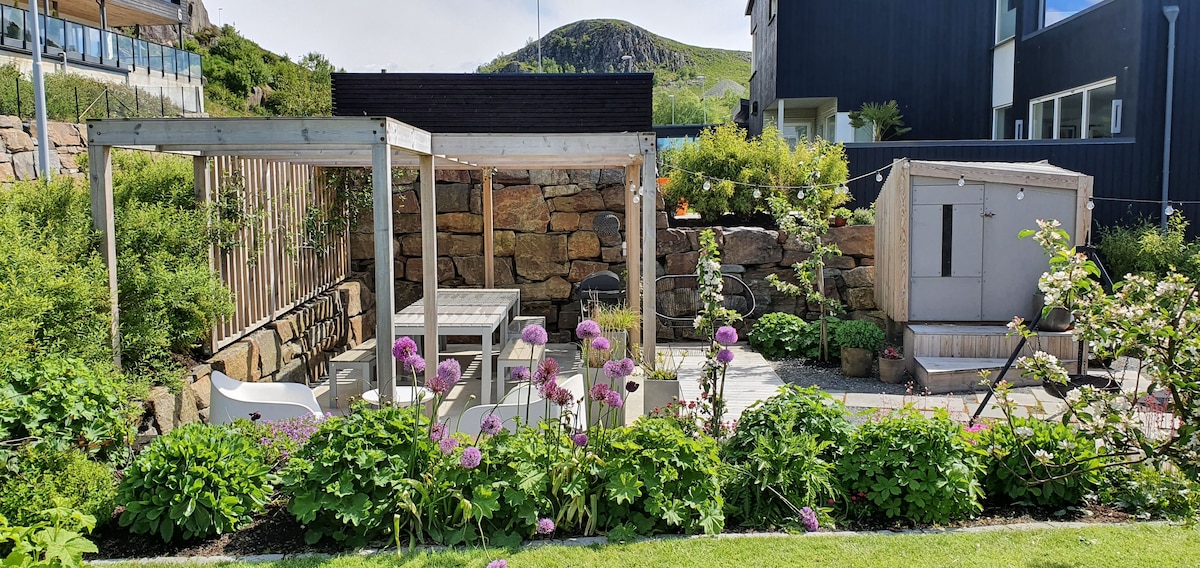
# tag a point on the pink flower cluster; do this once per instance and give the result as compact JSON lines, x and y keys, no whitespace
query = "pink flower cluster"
{"x":448,"y":373}
{"x":605,"y":395}
{"x":545,"y":378}
{"x":405,"y":351}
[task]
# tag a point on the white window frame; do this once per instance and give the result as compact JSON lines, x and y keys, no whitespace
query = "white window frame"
{"x":1000,"y":40}
{"x":994,"y":111}
{"x":1042,"y":13}
{"x":1057,"y":98}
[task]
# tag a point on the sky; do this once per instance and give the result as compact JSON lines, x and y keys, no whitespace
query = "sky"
{"x":451,"y":36}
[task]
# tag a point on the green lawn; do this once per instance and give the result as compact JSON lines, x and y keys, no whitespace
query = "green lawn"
{"x":1125,"y":546}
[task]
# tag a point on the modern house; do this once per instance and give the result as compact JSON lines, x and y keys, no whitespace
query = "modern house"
{"x":84,"y":37}
{"x":1080,"y":83}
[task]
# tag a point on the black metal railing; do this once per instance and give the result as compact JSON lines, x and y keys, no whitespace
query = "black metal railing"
{"x":68,"y":100}
{"x":82,"y":43}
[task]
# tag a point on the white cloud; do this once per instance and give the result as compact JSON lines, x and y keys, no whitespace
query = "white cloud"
{"x":459,"y":35}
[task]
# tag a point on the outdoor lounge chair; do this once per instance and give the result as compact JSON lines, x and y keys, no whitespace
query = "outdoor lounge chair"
{"x":512,"y":406}
{"x":233,"y":399}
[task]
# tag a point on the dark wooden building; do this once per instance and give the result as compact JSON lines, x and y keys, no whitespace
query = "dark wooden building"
{"x":506,"y":103}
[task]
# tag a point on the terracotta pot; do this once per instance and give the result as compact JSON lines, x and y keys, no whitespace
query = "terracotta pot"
{"x":891,"y":371}
{"x":857,"y":362}
{"x":682,"y":208}
{"x":660,"y":393}
{"x":837,"y":222}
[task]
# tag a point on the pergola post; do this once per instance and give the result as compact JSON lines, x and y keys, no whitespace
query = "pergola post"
{"x":385,"y":283}
{"x":429,"y":260}
{"x":202,"y":185}
{"x":103,"y":222}
{"x":489,"y":244}
{"x":649,"y":245}
{"x":633,"y":244}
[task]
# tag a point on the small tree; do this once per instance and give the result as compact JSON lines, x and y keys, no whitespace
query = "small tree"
{"x":882,"y":117}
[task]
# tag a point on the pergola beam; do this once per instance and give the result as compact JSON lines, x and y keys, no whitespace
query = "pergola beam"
{"x":196,"y":133}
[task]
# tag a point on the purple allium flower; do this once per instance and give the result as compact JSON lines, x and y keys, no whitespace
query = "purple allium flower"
{"x":599,"y":391}
{"x":490,"y":425}
{"x":601,"y":344}
{"x":471,"y":458}
{"x":724,"y":356}
{"x":448,"y":444}
{"x":631,"y":386}
{"x":448,"y":373}
{"x":612,"y":369}
{"x":727,"y":335}
{"x":627,"y":366}
{"x":809,"y":518}
{"x":404,"y":347}
{"x":580,"y":439}
{"x":498,"y":564}
{"x":546,"y":388}
{"x":560,"y":396}
{"x":534,"y":335}
{"x":413,"y":364}
{"x":547,"y":370}
{"x":545,"y":526}
{"x":520,"y":374}
{"x":613,"y":399}
{"x":587,"y":329}
{"x":437,"y":431}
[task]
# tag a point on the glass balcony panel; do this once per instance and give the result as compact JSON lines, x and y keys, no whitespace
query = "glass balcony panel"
{"x":168,"y":59}
{"x":124,"y":50}
{"x":196,"y":67}
{"x":141,"y":54}
{"x":156,"y":58}
{"x":74,"y":37}
{"x":14,"y":24}
{"x":55,"y":33}
{"x":92,"y":42}
{"x":108,"y":42}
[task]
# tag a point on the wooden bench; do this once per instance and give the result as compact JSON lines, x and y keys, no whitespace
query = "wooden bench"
{"x":353,"y":364}
{"x":516,"y":353}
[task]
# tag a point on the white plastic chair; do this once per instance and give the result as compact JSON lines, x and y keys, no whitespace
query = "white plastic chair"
{"x":512,"y":407}
{"x":233,"y":399}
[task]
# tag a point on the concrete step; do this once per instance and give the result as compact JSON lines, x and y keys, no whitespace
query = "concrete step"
{"x":961,"y":374}
{"x":981,"y":342}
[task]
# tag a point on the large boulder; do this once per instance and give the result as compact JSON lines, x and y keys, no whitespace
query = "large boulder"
{"x":580,"y":269}
{"x":853,"y":240}
{"x":584,"y":201}
{"x":583,"y":244}
{"x":556,"y":288}
{"x":504,"y":242}
{"x":460,"y":222}
{"x":268,"y":349}
{"x":162,"y":405}
{"x":239,"y":361}
{"x":751,"y":245}
{"x":671,"y":241}
{"x":682,"y":262}
{"x":541,"y":256}
{"x":471,"y":269}
{"x":560,"y":190}
{"x":521,"y":208}
{"x":453,"y":198}
{"x":549,"y":177}
{"x":861,"y":277}
{"x":564,"y":222}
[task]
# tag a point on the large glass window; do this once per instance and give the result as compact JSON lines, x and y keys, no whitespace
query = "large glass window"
{"x":1002,"y":123}
{"x":1100,"y":112}
{"x":1085,"y":112}
{"x":1041,"y":121}
{"x":1055,"y":11}
{"x":1006,"y":19}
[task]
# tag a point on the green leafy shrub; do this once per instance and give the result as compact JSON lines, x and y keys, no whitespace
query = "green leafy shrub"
{"x":67,"y":403}
{"x":1029,"y":451}
{"x":56,"y":542}
{"x":781,"y":457}
{"x":1143,"y":248}
{"x":780,"y":335}
{"x":860,"y":334}
{"x":1148,"y":492}
{"x":347,"y":481}
{"x":863,"y":216}
{"x":904,"y":466}
{"x":196,"y":481}
{"x":38,"y":475}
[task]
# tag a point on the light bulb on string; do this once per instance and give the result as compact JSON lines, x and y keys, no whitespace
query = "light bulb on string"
{"x":637,"y":199}
{"x":1091,"y":205}
{"x":632,"y":187}
{"x":879,"y":176}
{"x":707,"y":185}
{"x":843,"y":190}
{"x":962,"y":180}
{"x":1021,"y":194}
{"x":1170,"y":210}
{"x":800,"y":194}
{"x":757,"y":193}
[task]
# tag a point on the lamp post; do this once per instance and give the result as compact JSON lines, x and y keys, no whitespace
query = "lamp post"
{"x":703,"y":108}
{"x":672,"y":108}
{"x":628,"y":61}
{"x":539,"y":34}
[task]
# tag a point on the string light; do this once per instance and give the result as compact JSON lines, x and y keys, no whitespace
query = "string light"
{"x":879,"y":177}
{"x":1169,"y":210}
{"x":757,"y":193}
{"x":962,"y":180}
{"x":632,"y":187}
{"x":707,"y":185}
{"x":813,"y":175}
{"x":800,"y":194}
{"x":1021,"y":194}
{"x":637,"y":199}
{"x":843,"y":190}
{"x":1091,"y":205}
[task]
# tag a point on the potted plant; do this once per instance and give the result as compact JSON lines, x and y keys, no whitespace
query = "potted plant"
{"x":891,"y":366}
{"x":662,"y":385}
{"x":840,"y":215}
{"x":618,"y":324}
{"x":860,"y":341}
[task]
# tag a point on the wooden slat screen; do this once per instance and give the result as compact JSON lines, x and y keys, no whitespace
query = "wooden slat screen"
{"x":271,"y":269}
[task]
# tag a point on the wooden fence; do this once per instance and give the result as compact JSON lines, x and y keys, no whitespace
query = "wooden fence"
{"x":280,"y":240}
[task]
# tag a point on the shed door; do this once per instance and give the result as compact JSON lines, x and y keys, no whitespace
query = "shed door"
{"x":946,"y":278}
{"x":1014,"y":265}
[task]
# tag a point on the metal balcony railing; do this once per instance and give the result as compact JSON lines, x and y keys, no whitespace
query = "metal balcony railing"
{"x":82,"y":43}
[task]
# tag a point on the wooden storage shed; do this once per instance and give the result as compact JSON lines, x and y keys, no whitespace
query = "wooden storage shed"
{"x":946,"y":246}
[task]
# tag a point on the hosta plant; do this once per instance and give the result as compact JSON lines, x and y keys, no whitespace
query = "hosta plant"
{"x":196,"y":481}
{"x":1039,"y":462}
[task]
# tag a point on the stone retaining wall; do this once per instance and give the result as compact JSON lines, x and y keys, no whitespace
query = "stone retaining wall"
{"x":293,"y":348}
{"x":18,"y":148}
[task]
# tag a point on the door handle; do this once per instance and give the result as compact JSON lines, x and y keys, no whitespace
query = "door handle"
{"x":987,"y":214}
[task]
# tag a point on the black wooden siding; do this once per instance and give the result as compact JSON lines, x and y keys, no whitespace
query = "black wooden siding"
{"x":516,"y":103}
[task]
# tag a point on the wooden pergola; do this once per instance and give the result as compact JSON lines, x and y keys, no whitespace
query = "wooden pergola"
{"x":381,"y":144}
